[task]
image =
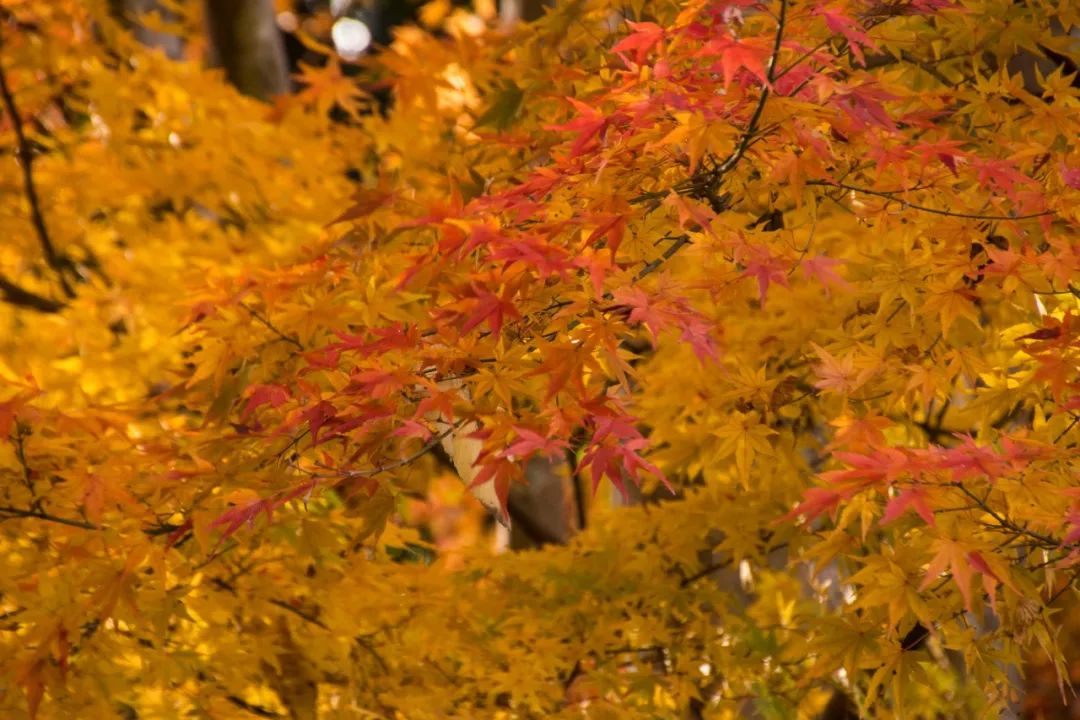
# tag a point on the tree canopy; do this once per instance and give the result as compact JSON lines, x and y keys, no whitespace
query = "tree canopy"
{"x":786,"y":293}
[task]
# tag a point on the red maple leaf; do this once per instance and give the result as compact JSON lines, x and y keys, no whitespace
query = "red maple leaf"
{"x":736,"y":55}
{"x":767,"y":269}
{"x":588,"y":125}
{"x":273,"y":395}
{"x":839,"y":22}
{"x":821,"y":268}
{"x":645,"y":35}
{"x":1070,"y":176}
{"x":909,"y":499}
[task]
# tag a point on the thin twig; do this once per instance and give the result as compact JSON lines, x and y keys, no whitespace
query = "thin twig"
{"x":1003,"y":522}
{"x":258,"y":710}
{"x":431,"y":444}
{"x":14,"y":512}
{"x":704,"y":572}
{"x":21,"y":297}
{"x":307,"y":617}
{"x":1066,"y":586}
{"x":55,"y":260}
{"x":363,"y":642}
{"x":891,"y":195}
{"x":272,"y":328}
{"x":1070,"y":426}
{"x":705,"y":181}
{"x":752,"y":126}
{"x":21,"y":433}
{"x":652,"y":266}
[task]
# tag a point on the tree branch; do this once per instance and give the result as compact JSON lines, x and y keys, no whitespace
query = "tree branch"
{"x":258,"y":710}
{"x":272,"y":328}
{"x":752,"y":126}
{"x":891,"y":195}
{"x":432,"y":444}
{"x":307,"y":617}
{"x":704,"y":572}
{"x":14,"y":512}
{"x":58,"y":262}
{"x":21,"y":297}
{"x":1004,"y":523}
{"x":652,"y":266}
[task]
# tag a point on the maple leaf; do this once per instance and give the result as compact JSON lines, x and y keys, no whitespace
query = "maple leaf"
{"x":672,"y":312}
{"x":963,"y":562}
{"x":247,"y":511}
{"x":612,"y":228}
{"x":365,"y":202}
{"x":1047,"y":333}
{"x":491,"y":485}
{"x":765,"y":268}
{"x":1070,"y":176}
{"x":317,"y":417}
{"x":839,"y":375}
{"x":816,"y":502}
{"x":946,"y":150}
{"x":99,"y":490}
{"x":734,"y":56}
{"x":839,"y":22}
{"x":990,"y":578}
{"x":328,"y":86}
{"x":530,"y":443}
{"x":258,"y":395}
{"x":861,"y":433}
{"x":953,"y":556}
{"x":140,"y":180}
{"x":598,"y":264}
{"x":691,"y":216}
{"x":641,"y":309}
{"x":233,"y":519}
{"x":1073,"y":523}
{"x":589,"y":125}
{"x":822,"y":269}
{"x":641,"y":41}
{"x":908,"y":499}
{"x":997,"y":174}
{"x":537,"y":254}
{"x":613,"y":453}
{"x":744,"y":436}
{"x":412,"y":428}
{"x":490,"y":307}
{"x":864,"y":104}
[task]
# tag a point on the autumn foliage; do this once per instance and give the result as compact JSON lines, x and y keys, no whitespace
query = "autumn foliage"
{"x":788,"y":291}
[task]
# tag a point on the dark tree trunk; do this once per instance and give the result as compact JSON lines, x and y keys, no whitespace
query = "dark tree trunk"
{"x":512,"y":11}
{"x":246,"y":41}
{"x":540,"y":511}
